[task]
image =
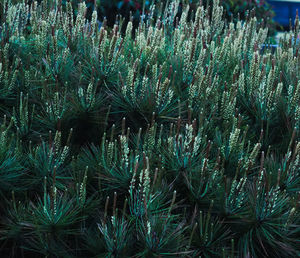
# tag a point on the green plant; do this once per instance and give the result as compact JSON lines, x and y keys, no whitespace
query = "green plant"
{"x":112,"y":139}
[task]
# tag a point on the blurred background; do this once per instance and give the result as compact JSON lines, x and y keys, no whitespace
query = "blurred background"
{"x":285,"y":11}
{"x":281,"y":11}
{"x":278,"y":15}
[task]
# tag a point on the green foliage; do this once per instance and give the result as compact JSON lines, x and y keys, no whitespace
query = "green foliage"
{"x":206,"y":236}
{"x":178,"y":137}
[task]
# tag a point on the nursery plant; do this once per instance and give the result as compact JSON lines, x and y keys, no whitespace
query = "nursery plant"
{"x":178,"y":137}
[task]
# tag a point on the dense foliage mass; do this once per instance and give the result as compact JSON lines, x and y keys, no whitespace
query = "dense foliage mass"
{"x":178,"y":139}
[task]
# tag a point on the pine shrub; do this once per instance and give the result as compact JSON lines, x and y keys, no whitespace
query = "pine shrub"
{"x":179,"y":138}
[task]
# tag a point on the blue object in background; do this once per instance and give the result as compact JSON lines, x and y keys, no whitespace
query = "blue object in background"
{"x":284,"y":11}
